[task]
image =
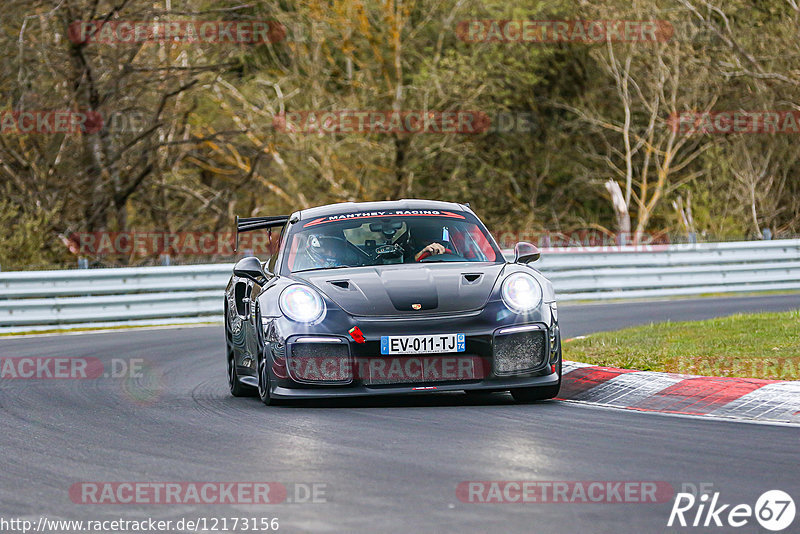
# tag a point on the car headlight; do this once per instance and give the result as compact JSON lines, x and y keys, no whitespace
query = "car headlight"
{"x":521,"y":292}
{"x":302,"y":304}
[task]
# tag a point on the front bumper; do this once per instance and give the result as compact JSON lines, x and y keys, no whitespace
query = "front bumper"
{"x":482,"y":329}
{"x":280,"y":392}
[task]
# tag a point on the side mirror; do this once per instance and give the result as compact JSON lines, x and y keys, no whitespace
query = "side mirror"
{"x":250,"y":268}
{"x":526,"y":252}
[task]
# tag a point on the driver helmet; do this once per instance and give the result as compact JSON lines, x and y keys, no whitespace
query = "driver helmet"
{"x":324,"y":250}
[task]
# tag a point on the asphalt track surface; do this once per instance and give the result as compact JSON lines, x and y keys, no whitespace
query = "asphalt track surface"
{"x":389,"y":464}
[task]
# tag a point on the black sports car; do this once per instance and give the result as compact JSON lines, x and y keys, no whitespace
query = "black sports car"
{"x":385,"y":298}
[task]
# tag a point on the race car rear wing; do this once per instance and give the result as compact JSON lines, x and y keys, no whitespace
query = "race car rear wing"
{"x":248,"y":224}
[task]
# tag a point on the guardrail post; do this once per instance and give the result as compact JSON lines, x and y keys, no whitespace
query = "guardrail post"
{"x":165,"y":260}
{"x":767,"y":233}
{"x":83,"y":263}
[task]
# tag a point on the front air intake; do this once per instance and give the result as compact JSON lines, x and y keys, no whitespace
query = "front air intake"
{"x":314,"y":361}
{"x":519,"y":351}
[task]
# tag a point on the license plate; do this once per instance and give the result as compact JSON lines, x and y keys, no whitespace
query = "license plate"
{"x":431,"y":344}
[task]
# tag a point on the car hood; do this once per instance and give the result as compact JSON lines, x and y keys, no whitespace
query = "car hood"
{"x":400,"y":289}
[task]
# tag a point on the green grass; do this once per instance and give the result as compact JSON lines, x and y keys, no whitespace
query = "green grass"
{"x":759,"y":345}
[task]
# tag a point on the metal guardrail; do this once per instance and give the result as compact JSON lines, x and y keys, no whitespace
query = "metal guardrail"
{"x":42,"y":300}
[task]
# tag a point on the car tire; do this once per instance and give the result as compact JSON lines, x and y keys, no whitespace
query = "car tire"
{"x":237,"y":389}
{"x":538,"y":393}
{"x":263,"y":382}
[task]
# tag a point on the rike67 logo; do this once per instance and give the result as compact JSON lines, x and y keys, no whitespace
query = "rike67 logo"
{"x":774,"y":510}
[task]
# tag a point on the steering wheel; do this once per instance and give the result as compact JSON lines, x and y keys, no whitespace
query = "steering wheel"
{"x":427,"y":254}
{"x":390,"y":250}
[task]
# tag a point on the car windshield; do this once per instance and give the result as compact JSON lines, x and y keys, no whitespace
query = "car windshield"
{"x":388,"y":238}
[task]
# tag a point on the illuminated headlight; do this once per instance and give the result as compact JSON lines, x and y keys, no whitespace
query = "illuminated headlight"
{"x":521,"y":292}
{"x":302,"y":304}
